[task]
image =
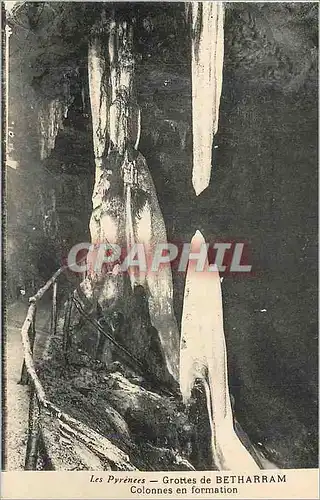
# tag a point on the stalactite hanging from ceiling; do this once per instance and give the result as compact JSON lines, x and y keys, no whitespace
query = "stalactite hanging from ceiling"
{"x":51,"y":116}
{"x":53,"y":111}
{"x":207,"y":61}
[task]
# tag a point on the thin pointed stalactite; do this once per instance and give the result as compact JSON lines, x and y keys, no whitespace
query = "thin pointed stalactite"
{"x":203,"y":357}
{"x":207,"y":61}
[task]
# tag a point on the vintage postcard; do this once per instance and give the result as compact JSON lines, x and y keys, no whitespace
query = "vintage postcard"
{"x":160,"y":297}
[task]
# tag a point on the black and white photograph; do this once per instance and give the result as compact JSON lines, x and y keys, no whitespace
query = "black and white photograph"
{"x":160,"y":231}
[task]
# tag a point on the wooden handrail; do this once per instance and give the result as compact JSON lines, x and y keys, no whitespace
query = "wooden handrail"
{"x":28,"y":365}
{"x":28,"y":358}
{"x":97,"y":443}
{"x":40,"y":293}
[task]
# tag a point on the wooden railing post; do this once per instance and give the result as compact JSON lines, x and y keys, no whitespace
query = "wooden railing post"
{"x":24,"y":379}
{"x":54,"y":309}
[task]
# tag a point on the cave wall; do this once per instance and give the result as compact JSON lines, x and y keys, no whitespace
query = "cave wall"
{"x":48,"y":199}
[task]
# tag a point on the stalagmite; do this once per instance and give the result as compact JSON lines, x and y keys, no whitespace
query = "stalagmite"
{"x":207,"y":62}
{"x":203,"y":357}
